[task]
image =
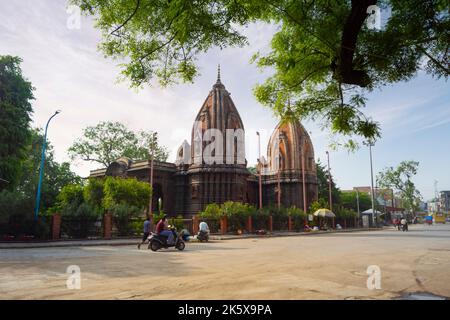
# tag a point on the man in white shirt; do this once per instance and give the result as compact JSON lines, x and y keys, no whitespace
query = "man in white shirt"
{"x":203,"y":227}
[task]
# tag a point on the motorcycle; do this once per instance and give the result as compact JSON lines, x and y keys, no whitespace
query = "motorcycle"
{"x":159,"y":241}
{"x":203,"y":236}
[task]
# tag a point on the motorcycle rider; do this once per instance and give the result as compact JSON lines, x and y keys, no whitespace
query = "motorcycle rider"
{"x":162,"y":229}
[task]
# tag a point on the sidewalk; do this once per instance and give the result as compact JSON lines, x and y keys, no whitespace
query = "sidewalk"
{"x":134,"y":241}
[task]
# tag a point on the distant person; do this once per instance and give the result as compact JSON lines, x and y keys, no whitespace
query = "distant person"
{"x":399,"y":223}
{"x":203,"y":232}
{"x":203,"y":227}
{"x":146,"y":232}
{"x":185,"y":234}
{"x":404,"y":224}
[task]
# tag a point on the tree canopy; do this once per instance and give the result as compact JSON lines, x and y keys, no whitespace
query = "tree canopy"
{"x":349,"y":200}
{"x":56,"y":175}
{"x":324,"y":56}
{"x":108,"y":141}
{"x":400,"y":179}
{"x":16,"y":94}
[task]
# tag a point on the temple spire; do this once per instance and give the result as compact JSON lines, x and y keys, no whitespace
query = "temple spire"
{"x":218,"y":83}
{"x":218,"y":74}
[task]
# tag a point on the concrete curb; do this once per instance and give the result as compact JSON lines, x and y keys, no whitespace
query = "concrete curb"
{"x":135,"y":241}
{"x":287,"y":234}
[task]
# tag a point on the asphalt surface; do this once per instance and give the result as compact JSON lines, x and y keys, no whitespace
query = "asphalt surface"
{"x":322,"y":266}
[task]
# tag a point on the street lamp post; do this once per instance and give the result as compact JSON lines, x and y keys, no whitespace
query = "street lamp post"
{"x":303,"y":173}
{"x":260,"y":169}
{"x":357,"y":201}
{"x":329,"y":182}
{"x":41,"y":170}
{"x":279,"y":173}
{"x":375,"y":215}
{"x":357,"y":204}
{"x":152,"y":150}
{"x":329,"y":185}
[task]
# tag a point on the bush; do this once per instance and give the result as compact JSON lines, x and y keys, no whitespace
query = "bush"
{"x":78,"y":221}
{"x":212,"y":211}
{"x":158,"y":216}
{"x":260,"y":218}
{"x":279,"y":218}
{"x":177,"y":222}
{"x":126,"y":218}
{"x":70,"y":195}
{"x":17,"y":216}
{"x":346,"y":213}
{"x":93,"y":192}
{"x":316,"y":205}
{"x":125,"y":191}
{"x":212,"y":215}
{"x":237,"y":214}
{"x":13,"y":203}
{"x":298,"y":217}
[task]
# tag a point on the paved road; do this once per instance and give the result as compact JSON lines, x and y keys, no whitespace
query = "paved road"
{"x":327,"y":266}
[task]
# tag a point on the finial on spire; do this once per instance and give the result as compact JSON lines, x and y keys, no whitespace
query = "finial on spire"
{"x":218,"y":74}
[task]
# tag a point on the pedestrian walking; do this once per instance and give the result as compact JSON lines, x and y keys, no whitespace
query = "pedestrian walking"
{"x":404,"y":224}
{"x":146,"y":232}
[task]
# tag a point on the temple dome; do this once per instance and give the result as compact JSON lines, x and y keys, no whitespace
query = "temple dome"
{"x":288,"y":138}
{"x":217,"y":112}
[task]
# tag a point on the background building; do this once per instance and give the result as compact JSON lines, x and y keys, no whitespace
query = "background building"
{"x":187,"y":186}
{"x":445,"y":201}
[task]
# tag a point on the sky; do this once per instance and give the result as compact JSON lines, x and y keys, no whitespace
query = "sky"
{"x":69,"y":73}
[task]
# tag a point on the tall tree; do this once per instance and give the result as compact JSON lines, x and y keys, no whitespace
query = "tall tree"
{"x":56,"y":175}
{"x":324,"y":55}
{"x":400,"y":179}
{"x":16,"y":94}
{"x":17,"y":204}
{"x":108,"y":141}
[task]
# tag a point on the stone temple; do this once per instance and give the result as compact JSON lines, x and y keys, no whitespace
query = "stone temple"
{"x":187,"y":186}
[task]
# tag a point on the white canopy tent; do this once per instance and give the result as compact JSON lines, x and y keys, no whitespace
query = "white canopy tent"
{"x":369,"y":211}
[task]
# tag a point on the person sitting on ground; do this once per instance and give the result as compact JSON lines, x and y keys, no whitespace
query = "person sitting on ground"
{"x":185,"y":234}
{"x":162,"y":228}
{"x":307,"y":228}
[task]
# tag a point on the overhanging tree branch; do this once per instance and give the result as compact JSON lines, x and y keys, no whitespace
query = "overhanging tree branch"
{"x":352,"y":27}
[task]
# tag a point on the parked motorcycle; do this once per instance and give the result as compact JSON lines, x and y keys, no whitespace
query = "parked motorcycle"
{"x":158,"y":241}
{"x":203,"y":236}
